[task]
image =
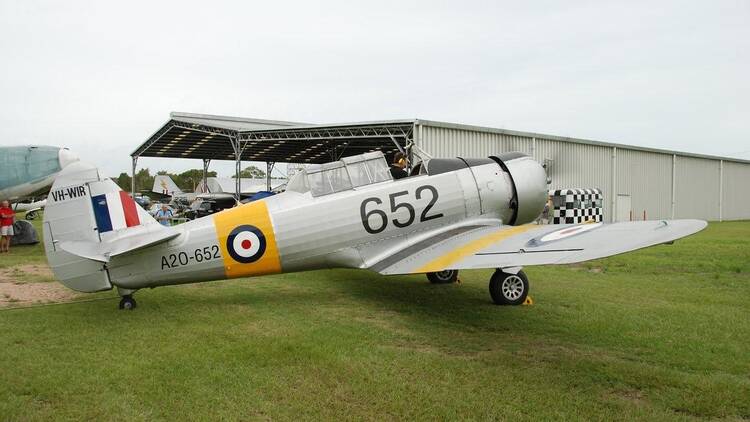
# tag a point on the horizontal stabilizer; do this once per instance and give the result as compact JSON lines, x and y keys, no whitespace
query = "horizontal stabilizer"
{"x":141,"y":237}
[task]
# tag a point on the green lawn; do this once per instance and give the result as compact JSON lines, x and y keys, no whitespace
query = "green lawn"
{"x":658,"y":334}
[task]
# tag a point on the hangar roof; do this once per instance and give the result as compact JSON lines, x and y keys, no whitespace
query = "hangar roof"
{"x":211,"y":137}
{"x":201,"y":136}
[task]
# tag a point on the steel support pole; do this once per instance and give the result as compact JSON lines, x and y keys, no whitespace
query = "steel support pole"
{"x":237,"y":181}
{"x":674,"y":184}
{"x":237,"y":167}
{"x":614,"y":184}
{"x":269,"y":168}
{"x":398,"y":146}
{"x":132,"y":177}
{"x":419,"y":141}
{"x":206,"y":162}
{"x":721,"y":189}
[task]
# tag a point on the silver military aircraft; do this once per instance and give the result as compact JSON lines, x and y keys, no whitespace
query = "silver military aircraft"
{"x":453,"y":214}
{"x":28,"y":169}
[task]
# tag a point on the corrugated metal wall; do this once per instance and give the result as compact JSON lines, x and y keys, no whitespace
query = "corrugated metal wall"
{"x":572,"y":165}
{"x":645,"y":176}
{"x":736,"y":191}
{"x":446,"y":143}
{"x":697,"y":188}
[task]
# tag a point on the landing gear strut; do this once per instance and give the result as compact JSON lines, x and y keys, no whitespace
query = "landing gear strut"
{"x":127,"y":301}
{"x":443,"y":277}
{"x":508,"y":288}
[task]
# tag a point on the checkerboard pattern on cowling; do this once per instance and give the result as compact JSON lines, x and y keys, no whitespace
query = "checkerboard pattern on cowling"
{"x":573,"y":206}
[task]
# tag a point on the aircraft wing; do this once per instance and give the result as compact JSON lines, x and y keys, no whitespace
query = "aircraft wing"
{"x":507,"y":246}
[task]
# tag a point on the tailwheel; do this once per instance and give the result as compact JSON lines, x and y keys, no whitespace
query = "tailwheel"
{"x":443,"y":277}
{"x":509,"y":289}
{"x":128,"y":302}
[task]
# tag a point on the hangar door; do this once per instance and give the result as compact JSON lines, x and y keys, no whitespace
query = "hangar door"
{"x":623,"y":207}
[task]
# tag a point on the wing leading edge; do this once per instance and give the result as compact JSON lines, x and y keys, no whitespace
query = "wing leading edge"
{"x":503,"y":247}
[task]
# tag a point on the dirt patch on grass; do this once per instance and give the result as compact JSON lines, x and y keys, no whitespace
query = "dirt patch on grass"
{"x":633,"y":396}
{"x":590,"y":269}
{"x":20,"y":274}
{"x":30,"y":284}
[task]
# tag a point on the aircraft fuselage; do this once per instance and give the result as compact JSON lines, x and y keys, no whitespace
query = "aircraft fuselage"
{"x":296,"y":232}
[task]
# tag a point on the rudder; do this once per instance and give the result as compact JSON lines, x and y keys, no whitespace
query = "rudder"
{"x":86,"y":212}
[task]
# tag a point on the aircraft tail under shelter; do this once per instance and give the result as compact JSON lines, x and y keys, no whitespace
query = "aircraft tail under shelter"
{"x":164,"y":185}
{"x":87,"y":221}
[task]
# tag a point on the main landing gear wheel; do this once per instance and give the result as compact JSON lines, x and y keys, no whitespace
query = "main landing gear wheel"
{"x":443,"y":277}
{"x":127,"y":302}
{"x":509,"y":289}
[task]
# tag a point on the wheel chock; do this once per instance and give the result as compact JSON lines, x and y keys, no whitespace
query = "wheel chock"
{"x":528,"y":301}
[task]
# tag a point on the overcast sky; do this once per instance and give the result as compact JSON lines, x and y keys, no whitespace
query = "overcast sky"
{"x":100,"y":77}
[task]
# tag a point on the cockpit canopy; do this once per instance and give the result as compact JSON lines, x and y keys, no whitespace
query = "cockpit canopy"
{"x":345,"y":174}
{"x":367,"y":168}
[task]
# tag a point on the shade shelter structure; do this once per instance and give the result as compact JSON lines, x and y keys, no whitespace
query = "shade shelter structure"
{"x":211,"y":137}
{"x":634,"y":180}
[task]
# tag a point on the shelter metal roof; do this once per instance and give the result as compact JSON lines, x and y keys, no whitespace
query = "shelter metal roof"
{"x":324,"y":143}
{"x":221,"y":138}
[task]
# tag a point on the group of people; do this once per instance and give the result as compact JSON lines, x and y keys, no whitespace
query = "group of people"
{"x":7,"y":217}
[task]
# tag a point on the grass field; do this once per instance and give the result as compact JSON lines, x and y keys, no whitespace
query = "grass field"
{"x":659,"y":334}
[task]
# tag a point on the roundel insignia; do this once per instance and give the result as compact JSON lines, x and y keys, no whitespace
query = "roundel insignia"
{"x":246,"y":244}
{"x":569,"y":231}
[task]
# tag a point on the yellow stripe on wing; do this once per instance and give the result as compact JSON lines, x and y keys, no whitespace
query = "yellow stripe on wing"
{"x":444,"y":262}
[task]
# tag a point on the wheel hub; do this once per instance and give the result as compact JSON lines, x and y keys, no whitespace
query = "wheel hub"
{"x":444,"y":275}
{"x":512,"y":287}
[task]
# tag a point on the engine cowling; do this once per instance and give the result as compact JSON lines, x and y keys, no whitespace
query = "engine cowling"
{"x":529,"y":186}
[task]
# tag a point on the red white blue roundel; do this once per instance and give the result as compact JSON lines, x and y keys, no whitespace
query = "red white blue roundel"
{"x":246,"y":244}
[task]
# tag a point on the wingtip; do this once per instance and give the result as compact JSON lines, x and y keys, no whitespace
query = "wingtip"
{"x":694,"y":225}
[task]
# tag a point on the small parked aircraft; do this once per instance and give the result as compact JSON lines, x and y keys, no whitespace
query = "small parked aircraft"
{"x":216,"y":188}
{"x":29,"y":169}
{"x":164,"y":185}
{"x":31,"y":209}
{"x":451,"y":214}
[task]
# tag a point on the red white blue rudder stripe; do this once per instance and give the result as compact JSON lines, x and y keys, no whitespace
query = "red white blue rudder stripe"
{"x":114,"y":211}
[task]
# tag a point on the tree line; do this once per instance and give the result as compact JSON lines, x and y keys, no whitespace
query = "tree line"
{"x":187,"y":180}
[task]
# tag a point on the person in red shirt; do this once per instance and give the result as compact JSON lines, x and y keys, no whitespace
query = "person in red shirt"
{"x":6,"y":226}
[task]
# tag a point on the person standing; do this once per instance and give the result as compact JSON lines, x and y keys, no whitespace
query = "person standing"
{"x":164,"y":215}
{"x":398,"y":166}
{"x":6,"y":225}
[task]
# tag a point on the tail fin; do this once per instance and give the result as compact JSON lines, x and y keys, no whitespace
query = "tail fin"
{"x":164,"y":185}
{"x":87,"y":221}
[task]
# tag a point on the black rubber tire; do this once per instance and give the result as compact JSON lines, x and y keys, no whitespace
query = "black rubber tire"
{"x":510,"y":296}
{"x":128,"y":303}
{"x":31,"y":216}
{"x":443,"y":277}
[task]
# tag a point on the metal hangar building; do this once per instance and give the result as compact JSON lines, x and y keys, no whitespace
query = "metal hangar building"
{"x":636,"y":182}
